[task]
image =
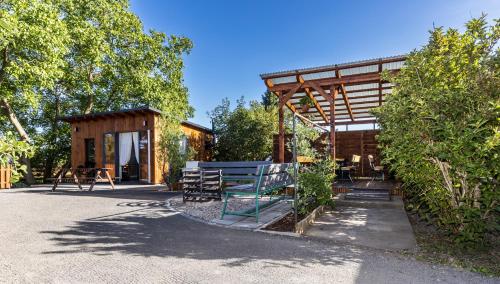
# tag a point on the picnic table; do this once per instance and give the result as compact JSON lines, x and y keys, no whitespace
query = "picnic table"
{"x":84,"y":175}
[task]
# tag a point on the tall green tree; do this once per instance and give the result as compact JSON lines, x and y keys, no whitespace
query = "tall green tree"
{"x":112,"y":64}
{"x":65,"y":57}
{"x":32,"y":44}
{"x":244,"y":133}
{"x":440,"y":129}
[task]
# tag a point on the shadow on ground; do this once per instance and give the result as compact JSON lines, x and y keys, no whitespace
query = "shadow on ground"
{"x":149,"y":229}
{"x":102,"y":191}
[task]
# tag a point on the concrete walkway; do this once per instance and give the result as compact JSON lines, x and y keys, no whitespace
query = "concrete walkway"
{"x":375,"y":224}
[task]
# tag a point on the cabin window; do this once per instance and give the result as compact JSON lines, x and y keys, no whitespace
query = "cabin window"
{"x":89,"y":153}
{"x":109,"y":149}
{"x":183,"y":145}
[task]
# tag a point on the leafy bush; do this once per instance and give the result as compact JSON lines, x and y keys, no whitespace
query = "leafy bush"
{"x":315,"y":185}
{"x":440,"y":129}
{"x":11,"y":152}
{"x":245,"y":133}
{"x":171,"y":156}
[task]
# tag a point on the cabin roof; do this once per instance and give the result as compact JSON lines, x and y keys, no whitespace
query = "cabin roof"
{"x":126,"y":112}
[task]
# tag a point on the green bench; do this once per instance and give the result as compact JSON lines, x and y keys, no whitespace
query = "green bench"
{"x":266,"y":180}
{"x":234,"y":171}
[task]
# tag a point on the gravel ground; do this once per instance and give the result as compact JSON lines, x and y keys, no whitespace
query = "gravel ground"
{"x":129,"y":236}
{"x":209,"y":210}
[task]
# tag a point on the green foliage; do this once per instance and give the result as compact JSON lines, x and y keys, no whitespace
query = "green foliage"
{"x":315,"y":180}
{"x":245,"y":133}
{"x":269,"y":100}
{"x":66,"y":57}
{"x":440,"y":129}
{"x":11,"y":150}
{"x":306,"y":101}
{"x":305,"y":137}
{"x":315,"y":185}
{"x":33,"y":41}
{"x":173,"y":159}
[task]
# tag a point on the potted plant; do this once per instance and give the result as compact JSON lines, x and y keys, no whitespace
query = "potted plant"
{"x":305,"y":103}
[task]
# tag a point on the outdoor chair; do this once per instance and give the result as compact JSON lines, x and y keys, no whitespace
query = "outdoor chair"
{"x":356,"y":159}
{"x":376,"y":170}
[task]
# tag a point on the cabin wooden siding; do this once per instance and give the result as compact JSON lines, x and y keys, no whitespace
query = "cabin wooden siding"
{"x":198,"y":139}
{"x":96,"y":128}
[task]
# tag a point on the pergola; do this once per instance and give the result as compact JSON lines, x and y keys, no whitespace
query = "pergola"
{"x":342,"y":94}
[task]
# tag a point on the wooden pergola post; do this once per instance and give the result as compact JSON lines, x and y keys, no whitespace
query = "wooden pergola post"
{"x":333,"y":92}
{"x":281,"y":129}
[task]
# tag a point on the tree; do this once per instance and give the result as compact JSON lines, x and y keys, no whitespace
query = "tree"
{"x":113,"y":64}
{"x":245,"y":133}
{"x":96,"y":57}
{"x":11,"y":149}
{"x":32,"y":45}
{"x":440,"y":129}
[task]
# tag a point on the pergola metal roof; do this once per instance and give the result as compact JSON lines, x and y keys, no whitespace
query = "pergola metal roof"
{"x":355,"y":87}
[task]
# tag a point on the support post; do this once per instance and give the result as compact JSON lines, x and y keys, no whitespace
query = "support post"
{"x":281,"y":138}
{"x":335,"y":91}
{"x":295,"y":172}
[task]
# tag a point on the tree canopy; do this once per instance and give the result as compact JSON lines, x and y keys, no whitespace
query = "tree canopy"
{"x":64,"y":57}
{"x":244,"y":133}
{"x":441,"y":128}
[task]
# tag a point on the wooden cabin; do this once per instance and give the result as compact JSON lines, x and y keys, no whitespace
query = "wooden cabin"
{"x":126,"y":142}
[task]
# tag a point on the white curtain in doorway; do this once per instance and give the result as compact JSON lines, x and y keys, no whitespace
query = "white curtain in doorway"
{"x":125,"y":147}
{"x":126,"y":139}
{"x":135,"y":137}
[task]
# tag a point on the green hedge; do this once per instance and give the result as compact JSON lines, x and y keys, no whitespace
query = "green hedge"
{"x":441,"y":129}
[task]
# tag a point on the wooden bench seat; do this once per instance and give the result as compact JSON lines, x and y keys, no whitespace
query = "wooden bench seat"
{"x":234,"y":171}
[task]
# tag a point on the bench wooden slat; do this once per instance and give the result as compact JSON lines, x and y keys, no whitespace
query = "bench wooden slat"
{"x":245,"y":164}
{"x":275,"y":168}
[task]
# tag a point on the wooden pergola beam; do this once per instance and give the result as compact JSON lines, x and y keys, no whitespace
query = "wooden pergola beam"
{"x":344,"y":95}
{"x":332,"y":123}
{"x":283,"y":99}
{"x":360,"y":78}
{"x":352,"y":122}
{"x":269,"y":83}
{"x":322,"y":92}
{"x":316,"y":104}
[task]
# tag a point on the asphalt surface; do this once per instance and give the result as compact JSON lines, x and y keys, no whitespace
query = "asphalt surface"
{"x":129,"y":236}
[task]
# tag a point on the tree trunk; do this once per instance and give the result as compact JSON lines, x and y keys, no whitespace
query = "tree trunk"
{"x":28,"y":176}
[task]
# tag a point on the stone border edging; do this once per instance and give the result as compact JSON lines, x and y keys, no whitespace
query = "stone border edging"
{"x":307,"y":221}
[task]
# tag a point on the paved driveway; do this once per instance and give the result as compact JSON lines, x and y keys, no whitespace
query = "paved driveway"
{"x":128,"y":236}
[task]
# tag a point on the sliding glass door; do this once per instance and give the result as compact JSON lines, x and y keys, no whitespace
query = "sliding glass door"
{"x":127,"y":154}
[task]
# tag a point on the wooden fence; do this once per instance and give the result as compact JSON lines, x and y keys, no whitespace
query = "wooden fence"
{"x":5,"y":175}
{"x":348,"y":143}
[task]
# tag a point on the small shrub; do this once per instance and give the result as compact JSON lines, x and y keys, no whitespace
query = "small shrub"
{"x":315,"y":185}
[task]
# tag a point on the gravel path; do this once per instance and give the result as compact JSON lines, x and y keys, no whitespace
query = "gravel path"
{"x":129,"y":236}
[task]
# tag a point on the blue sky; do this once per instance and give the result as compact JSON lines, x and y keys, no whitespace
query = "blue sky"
{"x":235,"y":41}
